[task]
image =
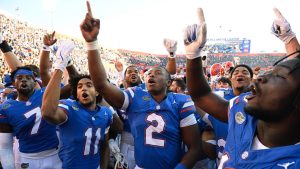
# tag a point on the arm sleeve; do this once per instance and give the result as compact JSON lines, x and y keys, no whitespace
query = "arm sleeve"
{"x":129,"y":95}
{"x":187,"y":117}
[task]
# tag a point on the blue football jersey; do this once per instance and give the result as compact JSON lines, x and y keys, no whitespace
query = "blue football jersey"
{"x":82,"y":135}
{"x":34,"y":133}
{"x":124,"y":117}
{"x":238,"y":151}
{"x":156,"y":127}
{"x":220,"y":128}
{"x":226,"y":93}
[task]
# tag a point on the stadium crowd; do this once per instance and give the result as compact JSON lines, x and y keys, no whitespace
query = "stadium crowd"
{"x":72,"y":104}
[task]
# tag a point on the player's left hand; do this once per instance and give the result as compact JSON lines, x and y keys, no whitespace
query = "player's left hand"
{"x":256,"y":70}
{"x":195,"y":37}
{"x":171,"y":46}
{"x":281,"y":28}
{"x":118,"y":66}
{"x":90,"y":26}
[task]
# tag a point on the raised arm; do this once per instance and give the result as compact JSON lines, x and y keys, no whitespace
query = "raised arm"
{"x":90,"y":29}
{"x":48,"y":40}
{"x":10,"y":58}
{"x":281,"y":28}
{"x":202,"y":95}
{"x":50,"y":110}
{"x":171,"y":47}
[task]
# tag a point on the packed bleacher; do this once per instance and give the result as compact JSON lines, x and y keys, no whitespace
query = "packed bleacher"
{"x":27,"y":47}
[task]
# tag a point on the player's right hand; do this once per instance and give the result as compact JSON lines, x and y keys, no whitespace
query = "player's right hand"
{"x":90,"y":26}
{"x":62,"y":56}
{"x":195,"y":37}
{"x":49,"y":39}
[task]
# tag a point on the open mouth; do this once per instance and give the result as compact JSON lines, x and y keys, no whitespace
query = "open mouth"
{"x":133,"y":77}
{"x":84,"y":95}
{"x":23,"y":85}
{"x":151,"y":81}
{"x":240,"y":79}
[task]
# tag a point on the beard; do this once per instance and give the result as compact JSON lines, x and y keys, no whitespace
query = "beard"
{"x":26,"y":92}
{"x":133,"y":83}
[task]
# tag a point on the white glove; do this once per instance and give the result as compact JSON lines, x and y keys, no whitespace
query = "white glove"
{"x":113,"y":146}
{"x":70,"y":63}
{"x":281,"y":28}
{"x":1,"y":38}
{"x":62,"y":56}
{"x":195,"y":37}
{"x":171,"y":47}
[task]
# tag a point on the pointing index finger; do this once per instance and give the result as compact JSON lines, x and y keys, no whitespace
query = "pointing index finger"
{"x":278,"y":13}
{"x":201,"y":15}
{"x":53,"y":34}
{"x":89,"y":8}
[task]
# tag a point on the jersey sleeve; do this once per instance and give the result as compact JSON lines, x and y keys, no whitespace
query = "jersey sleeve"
{"x":129,"y":95}
{"x":187,"y":116}
{"x":231,"y":104}
{"x":3,"y":116}
{"x":66,"y":107}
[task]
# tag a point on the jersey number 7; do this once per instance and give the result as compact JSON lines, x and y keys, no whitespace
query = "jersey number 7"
{"x":37,"y":121}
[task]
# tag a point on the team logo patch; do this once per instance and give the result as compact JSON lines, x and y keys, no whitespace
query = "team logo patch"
{"x":24,"y":165}
{"x":146,"y":98}
{"x":239,"y":117}
{"x":6,"y":106}
{"x":245,"y":155}
{"x":75,"y":108}
{"x":28,"y":103}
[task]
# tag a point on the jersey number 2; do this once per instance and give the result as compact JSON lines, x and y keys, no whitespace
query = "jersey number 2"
{"x":89,"y":134}
{"x":158,"y":128}
{"x":38,"y":119}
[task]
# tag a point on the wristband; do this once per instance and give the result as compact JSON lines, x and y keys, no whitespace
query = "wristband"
{"x":193,"y":56}
{"x":4,"y":46}
{"x":46,"y":48}
{"x":180,"y":166}
{"x":92,"y":45}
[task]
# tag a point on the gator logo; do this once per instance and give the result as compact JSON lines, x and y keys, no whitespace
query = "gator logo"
{"x":240,"y":118}
{"x":5,"y":106}
{"x":75,"y":108}
{"x":146,"y":98}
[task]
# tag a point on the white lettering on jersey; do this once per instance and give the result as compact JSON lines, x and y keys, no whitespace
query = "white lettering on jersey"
{"x":286,"y":165}
{"x":38,"y":119}
{"x":154,"y":129}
